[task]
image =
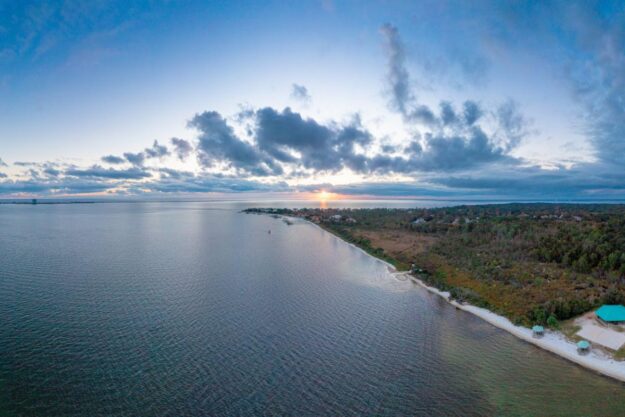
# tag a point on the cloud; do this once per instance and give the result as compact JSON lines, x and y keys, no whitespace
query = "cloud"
{"x":97,"y":171}
{"x":3,"y":175}
{"x":587,"y":180}
{"x":2,"y":163}
{"x":112,"y":159}
{"x":454,"y":139}
{"x":597,"y":72}
{"x":156,"y":151}
{"x":398,"y":78}
{"x":182,"y":148}
{"x":471,"y":112}
{"x":188,"y":183}
{"x":448,"y":148}
{"x":388,"y":189}
{"x":51,"y":171}
{"x":300,"y":93}
{"x":217,"y":142}
{"x":46,"y":187}
{"x":132,"y":182}
{"x":136,"y":159}
{"x":582,"y":43}
{"x":290,"y":138}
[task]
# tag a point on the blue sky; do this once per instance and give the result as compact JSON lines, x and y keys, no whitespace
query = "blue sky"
{"x":389,"y":98}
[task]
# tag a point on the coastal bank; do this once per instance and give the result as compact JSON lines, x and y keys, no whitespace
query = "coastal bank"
{"x":552,"y":341}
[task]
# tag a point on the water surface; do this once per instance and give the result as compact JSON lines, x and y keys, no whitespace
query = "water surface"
{"x":171,"y":309}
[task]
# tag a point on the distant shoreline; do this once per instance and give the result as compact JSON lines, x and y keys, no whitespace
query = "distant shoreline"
{"x":553,"y":341}
{"x":30,"y":203}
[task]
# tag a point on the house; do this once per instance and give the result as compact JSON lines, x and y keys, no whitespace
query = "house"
{"x":420,"y":220}
{"x":336,"y":218}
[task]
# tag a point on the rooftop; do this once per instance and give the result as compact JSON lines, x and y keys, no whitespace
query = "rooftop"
{"x":611,"y":313}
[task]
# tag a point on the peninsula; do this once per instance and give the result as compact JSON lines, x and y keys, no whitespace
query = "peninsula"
{"x":548,"y":265}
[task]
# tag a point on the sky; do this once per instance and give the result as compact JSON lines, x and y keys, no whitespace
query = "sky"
{"x":485,"y":99}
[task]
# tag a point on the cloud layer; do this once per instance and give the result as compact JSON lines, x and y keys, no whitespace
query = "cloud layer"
{"x":449,"y":148}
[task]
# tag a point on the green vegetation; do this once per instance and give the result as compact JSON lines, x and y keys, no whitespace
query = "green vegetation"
{"x":534,"y":263}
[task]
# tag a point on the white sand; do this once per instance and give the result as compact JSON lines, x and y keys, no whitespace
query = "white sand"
{"x":599,"y":334}
{"x":552,"y":341}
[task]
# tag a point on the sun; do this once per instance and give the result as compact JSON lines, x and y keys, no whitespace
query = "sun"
{"x":324,"y":195}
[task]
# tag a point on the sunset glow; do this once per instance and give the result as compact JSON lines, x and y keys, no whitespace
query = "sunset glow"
{"x":326,"y":196}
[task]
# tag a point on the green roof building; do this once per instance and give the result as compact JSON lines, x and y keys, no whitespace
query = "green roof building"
{"x":538,"y":330}
{"x":611,"y":313}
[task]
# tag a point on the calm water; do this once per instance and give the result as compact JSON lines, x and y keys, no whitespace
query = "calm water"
{"x":192,"y":309}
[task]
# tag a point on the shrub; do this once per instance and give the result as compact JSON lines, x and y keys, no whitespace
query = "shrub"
{"x":552,"y":322}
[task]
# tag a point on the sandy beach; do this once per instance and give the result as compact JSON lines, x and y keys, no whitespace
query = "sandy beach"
{"x":552,"y":341}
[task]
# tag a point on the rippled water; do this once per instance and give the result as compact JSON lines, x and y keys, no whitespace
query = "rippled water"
{"x":172,"y":309}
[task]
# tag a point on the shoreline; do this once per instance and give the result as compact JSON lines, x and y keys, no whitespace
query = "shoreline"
{"x":552,"y":341}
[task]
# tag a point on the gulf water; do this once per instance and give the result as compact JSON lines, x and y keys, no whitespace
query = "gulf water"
{"x":195,"y":309}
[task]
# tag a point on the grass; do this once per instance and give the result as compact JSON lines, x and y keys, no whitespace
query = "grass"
{"x":570,"y":329}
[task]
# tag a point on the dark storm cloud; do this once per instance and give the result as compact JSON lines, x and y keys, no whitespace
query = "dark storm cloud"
{"x":97,"y":171}
{"x":182,"y":148}
{"x":112,"y":159}
{"x":300,"y":93}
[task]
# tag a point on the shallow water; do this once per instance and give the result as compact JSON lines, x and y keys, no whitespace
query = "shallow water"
{"x":171,"y":309}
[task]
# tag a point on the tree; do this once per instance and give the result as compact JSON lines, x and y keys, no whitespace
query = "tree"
{"x":552,"y":322}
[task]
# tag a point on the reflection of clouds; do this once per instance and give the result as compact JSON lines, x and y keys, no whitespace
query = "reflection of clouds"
{"x":364,"y":269}
{"x":368,"y":270}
